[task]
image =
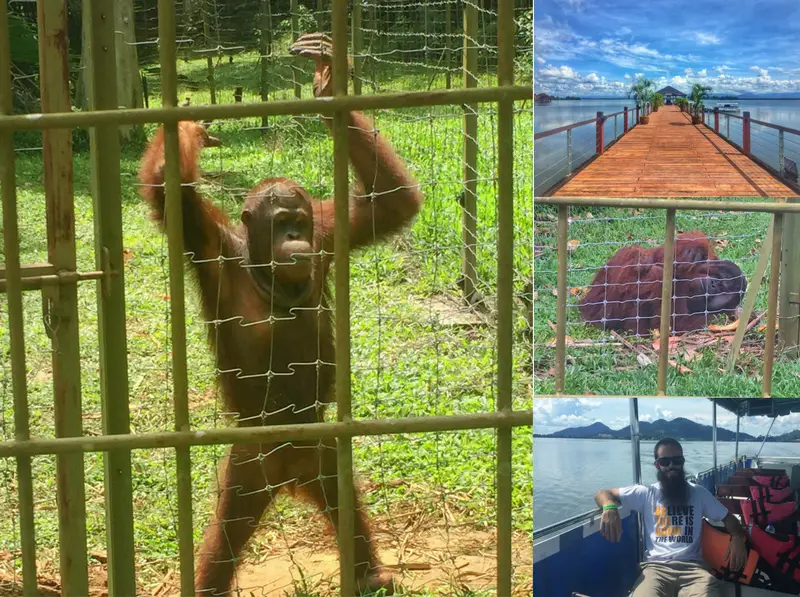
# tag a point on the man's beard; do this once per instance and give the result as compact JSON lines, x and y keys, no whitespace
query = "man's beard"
{"x":674,"y":487}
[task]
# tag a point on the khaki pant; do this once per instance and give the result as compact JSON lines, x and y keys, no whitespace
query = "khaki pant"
{"x":676,"y":579}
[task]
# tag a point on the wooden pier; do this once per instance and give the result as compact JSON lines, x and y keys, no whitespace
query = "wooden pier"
{"x":671,"y":157}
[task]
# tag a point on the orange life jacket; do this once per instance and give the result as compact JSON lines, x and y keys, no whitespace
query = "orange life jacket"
{"x":780,"y":551}
{"x":774,"y":496}
{"x":760,"y":512}
{"x":778,"y":482}
{"x":714,"y":543}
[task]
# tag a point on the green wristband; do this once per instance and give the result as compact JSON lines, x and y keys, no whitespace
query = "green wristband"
{"x":610,"y":507}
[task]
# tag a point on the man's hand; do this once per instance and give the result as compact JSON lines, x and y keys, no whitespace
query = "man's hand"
{"x":611,"y":525}
{"x":318,"y":47}
{"x":737,"y":552}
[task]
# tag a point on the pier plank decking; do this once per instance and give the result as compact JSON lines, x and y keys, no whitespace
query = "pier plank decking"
{"x":670,"y":157}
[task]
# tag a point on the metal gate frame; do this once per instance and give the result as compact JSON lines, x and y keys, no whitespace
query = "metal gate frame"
{"x":58,"y":281}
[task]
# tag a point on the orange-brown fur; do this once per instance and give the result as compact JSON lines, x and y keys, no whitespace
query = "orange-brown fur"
{"x":290,"y":347}
{"x":626,"y":292}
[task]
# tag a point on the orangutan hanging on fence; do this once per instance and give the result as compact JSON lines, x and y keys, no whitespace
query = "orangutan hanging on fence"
{"x":263,"y":287}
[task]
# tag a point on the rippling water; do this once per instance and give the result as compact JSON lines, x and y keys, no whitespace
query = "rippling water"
{"x":550,"y":154}
{"x":568,"y":472}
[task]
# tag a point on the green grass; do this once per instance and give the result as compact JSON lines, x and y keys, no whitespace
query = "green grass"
{"x":612,"y":370}
{"x":404,"y":363}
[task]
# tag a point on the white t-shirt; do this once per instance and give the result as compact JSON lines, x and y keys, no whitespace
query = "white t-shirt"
{"x":672,"y":533}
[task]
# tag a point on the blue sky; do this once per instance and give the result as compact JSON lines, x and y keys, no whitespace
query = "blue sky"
{"x":554,"y":414}
{"x":598,"y":47}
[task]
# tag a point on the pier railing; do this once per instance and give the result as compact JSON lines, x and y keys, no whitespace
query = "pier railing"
{"x":581,"y":148}
{"x":767,"y":144}
{"x":776,"y":148}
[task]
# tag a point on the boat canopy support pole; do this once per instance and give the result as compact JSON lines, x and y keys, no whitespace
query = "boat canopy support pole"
{"x":714,"y":431}
{"x":738,"y":419}
{"x":637,"y":464}
{"x":637,"y":470}
{"x":766,"y":436}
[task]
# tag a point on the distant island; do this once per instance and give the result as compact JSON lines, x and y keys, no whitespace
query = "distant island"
{"x":680,"y":428}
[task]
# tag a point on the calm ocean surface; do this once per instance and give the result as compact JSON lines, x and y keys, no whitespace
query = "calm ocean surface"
{"x":550,"y":154}
{"x":568,"y":472}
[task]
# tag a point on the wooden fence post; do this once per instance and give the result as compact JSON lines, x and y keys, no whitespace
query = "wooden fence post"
{"x":599,"y":133}
{"x":789,"y":296}
{"x":746,"y":134}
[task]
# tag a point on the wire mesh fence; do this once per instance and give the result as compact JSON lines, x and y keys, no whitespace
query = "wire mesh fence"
{"x":614,"y":264}
{"x":417,"y":349}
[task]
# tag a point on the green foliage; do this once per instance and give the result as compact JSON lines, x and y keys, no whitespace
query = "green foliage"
{"x":23,"y":41}
{"x":642,"y":92}
{"x":524,"y":46}
{"x":697,"y":95}
{"x":658,"y":100}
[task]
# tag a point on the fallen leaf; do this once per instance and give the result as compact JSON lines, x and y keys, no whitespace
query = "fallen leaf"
{"x":577,"y":290}
{"x":573,"y":244}
{"x":589,"y":215}
{"x":643,"y":359}
{"x":555,"y":291}
{"x":763,"y":327}
{"x":730,"y":327}
{"x":682,"y":369}
{"x":535,"y":294}
{"x":672,"y":343}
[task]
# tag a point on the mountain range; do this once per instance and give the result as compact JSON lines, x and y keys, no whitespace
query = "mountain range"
{"x":679,"y":428}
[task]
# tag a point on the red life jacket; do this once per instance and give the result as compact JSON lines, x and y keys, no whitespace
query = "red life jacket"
{"x":760,"y":512}
{"x":714,"y":543}
{"x":773,"y":482}
{"x":774,"y":496}
{"x":780,"y":551}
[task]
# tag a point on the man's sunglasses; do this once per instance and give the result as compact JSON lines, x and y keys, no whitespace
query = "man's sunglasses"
{"x":666,"y":460}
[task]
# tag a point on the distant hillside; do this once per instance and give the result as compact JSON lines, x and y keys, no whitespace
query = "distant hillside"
{"x":680,"y":428}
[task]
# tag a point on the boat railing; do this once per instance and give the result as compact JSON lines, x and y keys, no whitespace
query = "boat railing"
{"x":721,"y":473}
{"x":566,"y":523}
{"x":578,"y":155}
{"x":765,"y":147}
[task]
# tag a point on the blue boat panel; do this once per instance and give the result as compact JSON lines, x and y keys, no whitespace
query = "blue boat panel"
{"x":589,"y":564}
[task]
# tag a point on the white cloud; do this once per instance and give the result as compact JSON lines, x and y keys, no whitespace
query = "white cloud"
{"x":688,"y":72}
{"x":592,"y":78}
{"x":559,"y":72}
{"x":706,"y":39}
{"x":627,"y":76}
{"x":721,"y":69}
{"x":702,"y":73}
{"x":540,"y":60}
{"x":624,"y":31}
{"x":678,"y":80}
{"x":638,"y":75}
{"x":663,"y":414}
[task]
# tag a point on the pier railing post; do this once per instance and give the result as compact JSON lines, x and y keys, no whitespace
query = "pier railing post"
{"x":716,"y":120}
{"x":569,"y":152}
{"x":599,"y":133}
{"x":625,"y":128}
{"x":780,"y":153}
{"x":746,"y":134}
{"x":637,"y":115}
